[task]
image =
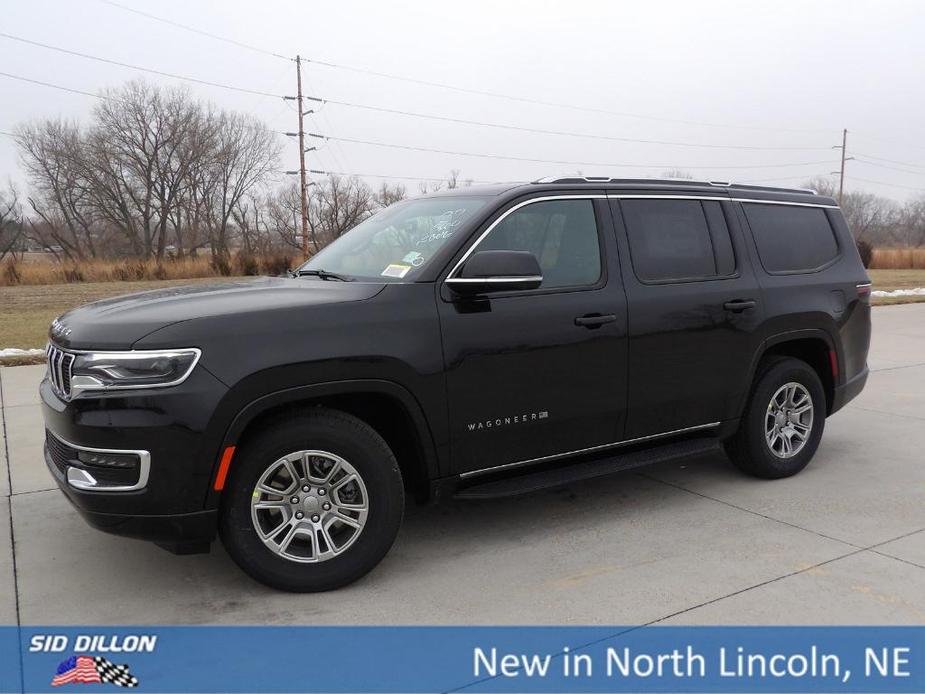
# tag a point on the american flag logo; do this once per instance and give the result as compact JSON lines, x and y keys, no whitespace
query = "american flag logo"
{"x":87,"y":669}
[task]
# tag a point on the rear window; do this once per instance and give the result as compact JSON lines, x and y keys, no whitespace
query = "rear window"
{"x":672,"y":240}
{"x":791,"y":238}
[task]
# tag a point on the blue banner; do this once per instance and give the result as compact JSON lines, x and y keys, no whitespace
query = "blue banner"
{"x":476,"y":660}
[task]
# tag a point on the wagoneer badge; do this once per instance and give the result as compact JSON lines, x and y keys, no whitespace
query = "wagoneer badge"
{"x":506,"y":421}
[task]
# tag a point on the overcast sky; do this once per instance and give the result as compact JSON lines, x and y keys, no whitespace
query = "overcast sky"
{"x":782,"y":77}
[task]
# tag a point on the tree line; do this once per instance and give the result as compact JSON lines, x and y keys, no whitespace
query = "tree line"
{"x":156,"y":173}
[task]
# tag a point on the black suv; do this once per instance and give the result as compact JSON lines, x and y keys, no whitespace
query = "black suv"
{"x":475,"y":343}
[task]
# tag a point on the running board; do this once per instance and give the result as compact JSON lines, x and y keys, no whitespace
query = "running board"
{"x":556,"y":477}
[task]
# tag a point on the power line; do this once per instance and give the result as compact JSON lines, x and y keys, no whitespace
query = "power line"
{"x":555,"y":104}
{"x":564,"y":133}
{"x":109,"y":98}
{"x":887,"y":166}
{"x":562,"y":161}
{"x":234,"y":42}
{"x":772,"y":180}
{"x":890,"y":161}
{"x":889,"y":185}
{"x":452,"y":87}
{"x":389,"y":176}
{"x":138,"y":67}
{"x":49,"y":84}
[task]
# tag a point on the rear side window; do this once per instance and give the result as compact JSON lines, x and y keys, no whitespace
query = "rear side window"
{"x":791,"y":238}
{"x":673,"y":240}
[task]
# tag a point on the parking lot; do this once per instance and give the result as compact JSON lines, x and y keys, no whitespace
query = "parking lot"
{"x":695,"y":542}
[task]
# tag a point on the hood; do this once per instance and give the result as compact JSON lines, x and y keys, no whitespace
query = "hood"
{"x":119,"y":322}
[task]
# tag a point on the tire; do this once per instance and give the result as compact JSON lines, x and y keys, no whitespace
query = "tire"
{"x":322,"y":552}
{"x":750,"y":449}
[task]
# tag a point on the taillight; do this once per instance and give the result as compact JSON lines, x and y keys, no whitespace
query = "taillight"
{"x":863,"y":289}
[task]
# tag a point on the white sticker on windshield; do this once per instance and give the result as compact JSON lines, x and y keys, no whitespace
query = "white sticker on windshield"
{"x":415,"y":258}
{"x":394,"y":270}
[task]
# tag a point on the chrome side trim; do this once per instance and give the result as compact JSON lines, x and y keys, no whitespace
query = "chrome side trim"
{"x":657,"y":196}
{"x":483,"y":280}
{"x":144,"y":469}
{"x":516,"y":207}
{"x":603,"y":446}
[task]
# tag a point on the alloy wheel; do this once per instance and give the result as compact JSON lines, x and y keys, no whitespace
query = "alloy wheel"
{"x":789,"y":420}
{"x":309,"y":506}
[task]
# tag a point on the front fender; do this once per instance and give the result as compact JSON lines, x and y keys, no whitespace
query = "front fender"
{"x":243,"y":411}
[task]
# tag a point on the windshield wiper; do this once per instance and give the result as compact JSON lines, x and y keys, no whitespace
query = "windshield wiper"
{"x":323,"y":274}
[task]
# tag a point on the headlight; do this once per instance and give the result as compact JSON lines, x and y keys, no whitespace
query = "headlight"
{"x":122,"y":370}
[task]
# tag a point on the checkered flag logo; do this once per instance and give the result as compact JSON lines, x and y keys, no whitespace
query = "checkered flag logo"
{"x":111,"y":673}
{"x":84,"y":669}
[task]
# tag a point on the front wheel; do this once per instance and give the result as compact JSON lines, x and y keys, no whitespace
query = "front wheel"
{"x":313,"y":503}
{"x":783,"y":420}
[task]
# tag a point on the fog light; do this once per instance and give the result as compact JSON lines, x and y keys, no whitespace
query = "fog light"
{"x":108,"y":460}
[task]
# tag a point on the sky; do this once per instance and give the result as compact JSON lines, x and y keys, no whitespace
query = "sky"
{"x":742,"y":91}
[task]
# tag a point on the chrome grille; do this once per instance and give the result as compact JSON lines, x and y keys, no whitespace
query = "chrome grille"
{"x":60,"y":364}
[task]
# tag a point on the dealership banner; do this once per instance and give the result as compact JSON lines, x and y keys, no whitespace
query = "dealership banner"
{"x":479,"y":660}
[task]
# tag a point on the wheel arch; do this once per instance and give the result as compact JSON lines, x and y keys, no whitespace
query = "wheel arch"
{"x":386,"y":406}
{"x":813,"y":346}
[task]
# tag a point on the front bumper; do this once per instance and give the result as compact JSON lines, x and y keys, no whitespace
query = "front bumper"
{"x":170,"y":426}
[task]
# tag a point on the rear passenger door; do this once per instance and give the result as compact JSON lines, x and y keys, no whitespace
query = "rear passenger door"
{"x":694,"y":311}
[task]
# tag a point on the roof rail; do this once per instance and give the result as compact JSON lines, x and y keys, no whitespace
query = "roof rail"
{"x":678,"y":181}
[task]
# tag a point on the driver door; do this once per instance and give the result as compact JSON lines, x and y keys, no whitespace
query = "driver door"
{"x":536,"y":374}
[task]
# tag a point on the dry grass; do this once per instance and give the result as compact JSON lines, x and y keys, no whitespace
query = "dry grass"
{"x":898,"y":259}
{"x":886,"y":280}
{"x":35,"y":271}
{"x":26,"y":312}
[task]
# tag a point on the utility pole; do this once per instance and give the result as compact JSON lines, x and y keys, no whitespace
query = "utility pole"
{"x":841,"y":173}
{"x":298,"y":74}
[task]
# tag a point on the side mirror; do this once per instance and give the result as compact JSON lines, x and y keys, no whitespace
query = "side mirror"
{"x":497,"y":271}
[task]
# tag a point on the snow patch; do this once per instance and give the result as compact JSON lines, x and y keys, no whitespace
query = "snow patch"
{"x":16,"y":352}
{"x":918,"y":291}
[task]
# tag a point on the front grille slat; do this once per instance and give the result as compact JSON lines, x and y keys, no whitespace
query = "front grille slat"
{"x":60,"y":366}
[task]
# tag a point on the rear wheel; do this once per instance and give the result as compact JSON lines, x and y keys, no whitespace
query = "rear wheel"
{"x":783,"y":420}
{"x":313,"y":503}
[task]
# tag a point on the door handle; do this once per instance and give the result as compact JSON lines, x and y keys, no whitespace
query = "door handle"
{"x":739,"y":305}
{"x":594,"y":320}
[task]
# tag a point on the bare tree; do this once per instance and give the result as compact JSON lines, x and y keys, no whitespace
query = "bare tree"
{"x":336,"y":205}
{"x":51,"y":154}
{"x":871,"y":218}
{"x":910,"y":230}
{"x":244,"y":155}
{"x":11,"y":223}
{"x":284,"y":216}
{"x":388,"y":195}
{"x":155,"y":167}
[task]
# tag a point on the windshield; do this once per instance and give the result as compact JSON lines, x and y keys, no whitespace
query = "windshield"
{"x":396,"y":243}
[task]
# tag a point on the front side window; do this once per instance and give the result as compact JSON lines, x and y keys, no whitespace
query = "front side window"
{"x":791,"y":238}
{"x":562,"y":234}
{"x":398,"y":242}
{"x":673,"y":240}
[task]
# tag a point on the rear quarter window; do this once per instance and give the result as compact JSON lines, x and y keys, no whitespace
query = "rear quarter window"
{"x":791,"y":238}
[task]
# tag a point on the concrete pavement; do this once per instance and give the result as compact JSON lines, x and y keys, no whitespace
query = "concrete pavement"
{"x":695,"y":542}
